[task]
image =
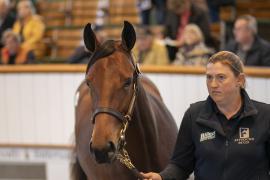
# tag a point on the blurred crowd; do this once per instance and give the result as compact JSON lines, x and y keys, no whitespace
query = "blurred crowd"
{"x":173,"y":32}
{"x":21,"y":32}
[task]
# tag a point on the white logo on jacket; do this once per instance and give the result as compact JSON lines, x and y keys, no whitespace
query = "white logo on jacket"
{"x":244,"y":136}
{"x":207,"y":136}
{"x":243,"y":133}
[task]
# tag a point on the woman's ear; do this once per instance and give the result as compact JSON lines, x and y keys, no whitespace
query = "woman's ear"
{"x":242,"y":80}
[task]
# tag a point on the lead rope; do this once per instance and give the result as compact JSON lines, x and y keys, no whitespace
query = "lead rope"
{"x":124,"y":159}
{"x":122,"y":154}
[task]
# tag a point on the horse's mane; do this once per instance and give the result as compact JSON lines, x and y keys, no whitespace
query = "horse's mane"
{"x":106,"y":49}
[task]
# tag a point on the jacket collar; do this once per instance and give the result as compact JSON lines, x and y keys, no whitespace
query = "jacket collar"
{"x":207,"y":116}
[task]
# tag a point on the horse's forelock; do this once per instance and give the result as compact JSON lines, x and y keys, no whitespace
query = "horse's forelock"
{"x":106,"y":49}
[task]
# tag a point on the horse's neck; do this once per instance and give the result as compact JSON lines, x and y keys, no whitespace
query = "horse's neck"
{"x":145,"y":129}
{"x":145,"y":114}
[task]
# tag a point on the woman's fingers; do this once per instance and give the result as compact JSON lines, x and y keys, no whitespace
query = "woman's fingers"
{"x":151,"y":176}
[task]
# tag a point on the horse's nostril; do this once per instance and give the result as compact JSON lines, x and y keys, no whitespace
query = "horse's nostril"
{"x":103,"y":155}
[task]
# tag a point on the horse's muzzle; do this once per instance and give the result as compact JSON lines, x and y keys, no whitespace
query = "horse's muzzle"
{"x":104,"y":155}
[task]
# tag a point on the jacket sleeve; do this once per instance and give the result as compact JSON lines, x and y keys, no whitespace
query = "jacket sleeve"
{"x":37,"y":32}
{"x":182,"y":161}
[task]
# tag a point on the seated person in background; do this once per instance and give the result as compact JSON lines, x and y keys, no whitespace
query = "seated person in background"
{"x":193,"y":51}
{"x":180,"y":13}
{"x":253,"y":50}
{"x":13,"y":52}
{"x":81,"y":54}
{"x":7,"y":18}
{"x":30,"y":27}
{"x":148,"y":49}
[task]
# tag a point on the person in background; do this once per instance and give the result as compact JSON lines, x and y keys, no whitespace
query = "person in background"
{"x":7,"y":18}
{"x":30,"y":27}
{"x":13,"y":52}
{"x":247,"y":44}
{"x":180,"y":13}
{"x":225,"y":136}
{"x":102,"y":14}
{"x":149,"y":50}
{"x":160,"y":11}
{"x":144,"y":7}
{"x":81,"y":55}
{"x":193,"y":51}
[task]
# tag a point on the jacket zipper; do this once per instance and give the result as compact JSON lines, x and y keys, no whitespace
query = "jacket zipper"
{"x":226,"y":157}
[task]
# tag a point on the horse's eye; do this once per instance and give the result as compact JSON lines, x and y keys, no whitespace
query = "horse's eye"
{"x":128,"y":82}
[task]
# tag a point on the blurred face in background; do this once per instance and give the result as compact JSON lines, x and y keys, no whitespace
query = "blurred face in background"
{"x":190,"y":37}
{"x":242,"y":32}
{"x":3,"y":9}
{"x":24,"y":9}
{"x":12,"y":44}
{"x":144,"y":42}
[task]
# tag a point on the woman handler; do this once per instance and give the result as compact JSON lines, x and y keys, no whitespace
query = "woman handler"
{"x":225,"y":137}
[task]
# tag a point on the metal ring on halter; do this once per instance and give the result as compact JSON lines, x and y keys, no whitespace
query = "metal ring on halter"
{"x":127,"y":117}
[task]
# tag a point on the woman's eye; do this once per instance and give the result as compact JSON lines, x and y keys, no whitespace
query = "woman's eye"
{"x":221,"y":78}
{"x":209,"y":78}
{"x":128,"y":82}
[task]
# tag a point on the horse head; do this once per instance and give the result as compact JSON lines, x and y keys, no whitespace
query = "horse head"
{"x":111,"y":76}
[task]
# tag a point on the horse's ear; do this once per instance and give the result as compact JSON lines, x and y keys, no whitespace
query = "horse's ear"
{"x":128,"y":36}
{"x":90,"y":39}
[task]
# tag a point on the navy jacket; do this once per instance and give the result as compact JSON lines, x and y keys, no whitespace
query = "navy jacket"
{"x":258,"y":55}
{"x":203,"y":146}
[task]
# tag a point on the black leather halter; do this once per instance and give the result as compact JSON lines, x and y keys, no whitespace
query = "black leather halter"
{"x":122,"y":154}
{"x":123,"y":118}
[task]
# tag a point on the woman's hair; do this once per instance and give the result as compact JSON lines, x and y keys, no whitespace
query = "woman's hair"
{"x":231,"y":60}
{"x":195,"y":29}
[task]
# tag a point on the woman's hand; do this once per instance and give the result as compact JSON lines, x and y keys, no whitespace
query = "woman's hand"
{"x":151,"y":176}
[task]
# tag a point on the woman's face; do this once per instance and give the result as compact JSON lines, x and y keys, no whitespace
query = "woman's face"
{"x":223,"y":86}
{"x":144,"y":43}
{"x":190,"y":37}
{"x":24,"y":9}
{"x":12,"y":45}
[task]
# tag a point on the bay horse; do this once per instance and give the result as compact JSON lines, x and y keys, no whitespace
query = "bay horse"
{"x":119,"y":107}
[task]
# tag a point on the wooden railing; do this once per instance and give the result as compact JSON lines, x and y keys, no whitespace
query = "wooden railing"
{"x":250,"y":71}
{"x":36,"y":146}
